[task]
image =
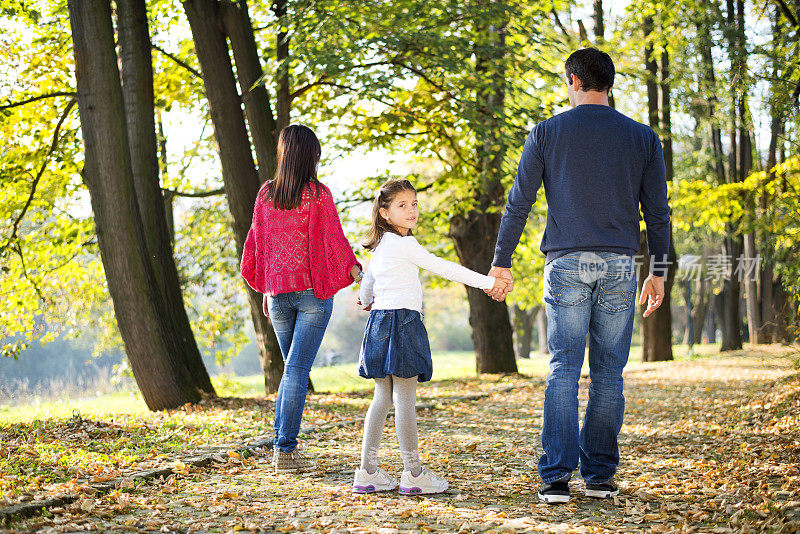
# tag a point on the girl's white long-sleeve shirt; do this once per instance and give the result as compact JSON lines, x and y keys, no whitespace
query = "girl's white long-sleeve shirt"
{"x":392,"y":276}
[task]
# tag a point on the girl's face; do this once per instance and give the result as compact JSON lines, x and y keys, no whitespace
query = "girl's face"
{"x":402,"y":212}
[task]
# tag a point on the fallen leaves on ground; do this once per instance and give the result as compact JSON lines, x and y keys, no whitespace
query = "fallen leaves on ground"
{"x":708,"y":445}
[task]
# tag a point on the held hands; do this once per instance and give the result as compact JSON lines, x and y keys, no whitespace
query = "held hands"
{"x":503,"y":285}
{"x":366,"y":308}
{"x":652,"y":293}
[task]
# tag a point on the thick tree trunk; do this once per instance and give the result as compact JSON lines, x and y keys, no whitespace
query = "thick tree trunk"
{"x":155,"y":357}
{"x":256,"y":100}
{"x":474,"y":234}
{"x":474,"y":238}
{"x":137,"y":93}
{"x":523,"y":330}
{"x":238,"y":168}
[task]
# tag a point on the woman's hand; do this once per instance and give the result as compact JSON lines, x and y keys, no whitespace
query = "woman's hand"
{"x":355,"y":272}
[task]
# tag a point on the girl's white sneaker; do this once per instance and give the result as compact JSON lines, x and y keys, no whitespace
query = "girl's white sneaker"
{"x":425,"y":482}
{"x":380,"y":480}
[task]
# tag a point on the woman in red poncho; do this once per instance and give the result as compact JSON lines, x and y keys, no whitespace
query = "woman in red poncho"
{"x":297,"y":255}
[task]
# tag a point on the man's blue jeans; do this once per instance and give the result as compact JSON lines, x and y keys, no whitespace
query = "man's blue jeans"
{"x":299,"y":319}
{"x":586,"y":293}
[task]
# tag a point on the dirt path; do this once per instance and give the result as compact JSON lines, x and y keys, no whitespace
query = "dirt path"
{"x":710,"y":445}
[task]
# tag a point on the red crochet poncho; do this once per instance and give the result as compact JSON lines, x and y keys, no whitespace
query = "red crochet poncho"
{"x":302,"y":248}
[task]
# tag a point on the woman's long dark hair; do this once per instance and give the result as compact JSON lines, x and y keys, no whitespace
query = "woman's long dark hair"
{"x":298,"y":155}
{"x":383,"y":199}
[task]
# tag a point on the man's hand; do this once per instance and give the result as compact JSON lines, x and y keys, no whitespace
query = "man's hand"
{"x":505,"y":274}
{"x":652,"y":293}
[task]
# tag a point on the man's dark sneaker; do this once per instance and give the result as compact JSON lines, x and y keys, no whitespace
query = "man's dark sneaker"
{"x":605,"y":490}
{"x":554,"y":493}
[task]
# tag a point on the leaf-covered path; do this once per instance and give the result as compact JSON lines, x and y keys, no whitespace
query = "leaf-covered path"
{"x":708,"y":445}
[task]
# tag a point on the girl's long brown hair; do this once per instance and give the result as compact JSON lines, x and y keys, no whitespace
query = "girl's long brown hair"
{"x":383,"y":199}
{"x":298,"y":155}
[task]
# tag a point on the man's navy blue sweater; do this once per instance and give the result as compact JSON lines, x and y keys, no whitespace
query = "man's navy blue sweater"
{"x":597,"y":166}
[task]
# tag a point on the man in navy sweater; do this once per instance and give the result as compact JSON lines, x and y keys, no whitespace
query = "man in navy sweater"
{"x":597,"y":166}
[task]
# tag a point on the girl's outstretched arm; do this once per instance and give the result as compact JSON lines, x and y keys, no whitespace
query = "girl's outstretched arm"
{"x":417,"y":254}
{"x":365,"y":294}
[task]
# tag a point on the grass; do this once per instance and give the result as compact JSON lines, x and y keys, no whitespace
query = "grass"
{"x":342,"y":378}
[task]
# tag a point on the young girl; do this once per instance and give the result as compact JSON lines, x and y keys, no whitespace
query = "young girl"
{"x":395,"y":351}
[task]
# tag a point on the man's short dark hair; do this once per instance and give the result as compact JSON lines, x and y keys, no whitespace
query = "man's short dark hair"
{"x":593,"y":68}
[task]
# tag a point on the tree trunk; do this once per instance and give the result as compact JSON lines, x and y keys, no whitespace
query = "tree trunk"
{"x":730,"y":316}
{"x":599,"y":23}
{"x":708,"y":87}
{"x":474,"y":234}
{"x":256,"y":100}
{"x":688,"y":332}
{"x":282,"y":49}
{"x":541,"y":330}
{"x":151,"y":347}
{"x":523,"y":330}
{"x":238,"y":168}
{"x":665,"y":112}
{"x":137,"y":94}
{"x":782,"y":313}
{"x":169,"y":213}
{"x":711,"y":320}
{"x":769,"y":331}
{"x":657,"y":329}
{"x":474,"y":238}
{"x":745,"y":160}
{"x":700,"y":311}
{"x":651,"y":73}
{"x":600,"y":37}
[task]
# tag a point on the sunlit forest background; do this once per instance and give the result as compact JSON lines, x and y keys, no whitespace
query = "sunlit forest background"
{"x":120,"y":258}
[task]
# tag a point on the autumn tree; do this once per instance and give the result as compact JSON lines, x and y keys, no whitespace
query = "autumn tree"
{"x":157,"y":351}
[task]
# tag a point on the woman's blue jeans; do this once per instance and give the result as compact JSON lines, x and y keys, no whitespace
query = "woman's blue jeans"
{"x":299,"y":319}
{"x":586,"y":293}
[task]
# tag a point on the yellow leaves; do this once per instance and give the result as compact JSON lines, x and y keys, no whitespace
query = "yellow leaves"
{"x":180,"y":467}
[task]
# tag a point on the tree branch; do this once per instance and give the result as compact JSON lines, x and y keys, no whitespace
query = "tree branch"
{"x":349,"y":202}
{"x":194,"y":194}
{"x":53,"y":145}
{"x":178,"y":61}
{"x":35,"y":98}
{"x":321,"y":80}
{"x":787,"y":13}
{"x":18,"y":249}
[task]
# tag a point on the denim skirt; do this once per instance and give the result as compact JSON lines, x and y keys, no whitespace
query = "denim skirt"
{"x":395,"y":343}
